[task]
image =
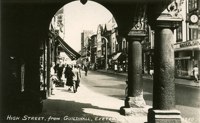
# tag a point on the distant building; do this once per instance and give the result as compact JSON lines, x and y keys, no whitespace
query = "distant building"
{"x":107,"y":37}
{"x":93,"y":40}
{"x":85,"y":47}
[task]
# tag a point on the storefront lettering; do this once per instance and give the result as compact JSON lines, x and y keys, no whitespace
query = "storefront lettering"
{"x":190,"y":43}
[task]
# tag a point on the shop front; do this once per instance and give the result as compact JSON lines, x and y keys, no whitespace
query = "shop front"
{"x":187,"y":55}
{"x":120,"y":59}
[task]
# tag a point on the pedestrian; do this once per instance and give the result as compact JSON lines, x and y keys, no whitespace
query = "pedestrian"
{"x":151,"y":72}
{"x":86,"y":70}
{"x":60,"y":71}
{"x":69,"y":77}
{"x":53,"y":78}
{"x":76,"y":78}
{"x":115,"y":68}
{"x":66,"y":70}
{"x":195,"y":73}
{"x":79,"y":69}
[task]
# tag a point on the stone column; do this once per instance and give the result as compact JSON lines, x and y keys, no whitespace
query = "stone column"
{"x":163,"y":110}
{"x":134,"y":97}
{"x":168,"y":16}
{"x":134,"y":101}
{"x":48,"y":66}
{"x":135,"y":85}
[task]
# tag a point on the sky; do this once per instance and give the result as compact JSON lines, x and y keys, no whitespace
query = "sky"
{"x":79,"y":17}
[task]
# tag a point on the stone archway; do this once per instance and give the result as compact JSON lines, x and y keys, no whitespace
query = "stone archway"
{"x":31,"y":19}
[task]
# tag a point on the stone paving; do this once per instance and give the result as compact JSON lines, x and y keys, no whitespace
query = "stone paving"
{"x":88,"y":106}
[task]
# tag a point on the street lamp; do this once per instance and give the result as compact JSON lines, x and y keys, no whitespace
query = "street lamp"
{"x":106,"y":52}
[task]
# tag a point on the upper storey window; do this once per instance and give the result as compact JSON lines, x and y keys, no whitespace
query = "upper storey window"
{"x":192,"y":5}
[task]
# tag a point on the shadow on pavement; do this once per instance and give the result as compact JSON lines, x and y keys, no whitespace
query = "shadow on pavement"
{"x":66,"y":112}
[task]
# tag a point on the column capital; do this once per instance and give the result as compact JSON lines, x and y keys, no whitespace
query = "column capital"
{"x":139,"y":29}
{"x":164,"y":21}
{"x":136,"y":37}
{"x":167,"y":14}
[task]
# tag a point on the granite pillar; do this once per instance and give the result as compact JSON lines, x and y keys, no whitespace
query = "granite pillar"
{"x":134,"y":102}
{"x":134,"y":99}
{"x":163,"y":110}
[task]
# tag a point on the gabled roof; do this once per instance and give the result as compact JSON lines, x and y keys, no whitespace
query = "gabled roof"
{"x":108,"y":27}
{"x":100,"y":28}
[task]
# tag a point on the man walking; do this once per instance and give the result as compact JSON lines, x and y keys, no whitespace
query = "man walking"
{"x":76,"y":78}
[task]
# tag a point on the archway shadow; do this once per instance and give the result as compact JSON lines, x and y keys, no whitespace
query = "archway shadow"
{"x":68,"y":111}
{"x":70,"y":108}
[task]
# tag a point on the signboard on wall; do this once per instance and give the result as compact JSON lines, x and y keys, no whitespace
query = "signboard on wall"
{"x":187,"y":44}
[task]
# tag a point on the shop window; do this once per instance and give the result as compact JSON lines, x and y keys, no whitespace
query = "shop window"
{"x":181,"y":67}
{"x":176,"y":54}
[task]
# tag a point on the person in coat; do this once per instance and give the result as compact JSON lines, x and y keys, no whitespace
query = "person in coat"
{"x":69,"y":77}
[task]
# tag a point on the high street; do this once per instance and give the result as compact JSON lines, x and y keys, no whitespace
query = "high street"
{"x":99,"y":99}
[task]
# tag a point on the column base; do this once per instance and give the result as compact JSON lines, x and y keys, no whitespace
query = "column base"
{"x":135,"y":102}
{"x":133,"y":111}
{"x":164,"y":116}
{"x":134,"y":106}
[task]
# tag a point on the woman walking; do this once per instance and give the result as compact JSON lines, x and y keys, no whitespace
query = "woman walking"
{"x":76,"y":78}
{"x":69,"y":77}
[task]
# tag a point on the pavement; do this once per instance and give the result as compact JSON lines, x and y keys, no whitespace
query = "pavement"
{"x":87,"y":106}
{"x":185,"y":82}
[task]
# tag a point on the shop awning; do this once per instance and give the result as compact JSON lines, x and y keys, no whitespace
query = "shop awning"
{"x":67,"y":49}
{"x":115,"y":57}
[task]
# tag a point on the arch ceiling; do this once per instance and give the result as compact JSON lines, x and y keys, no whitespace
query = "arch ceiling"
{"x":30,"y":13}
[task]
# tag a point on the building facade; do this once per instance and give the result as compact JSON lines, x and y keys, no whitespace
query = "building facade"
{"x":187,"y":46}
{"x":58,"y":23}
{"x":85,"y":46}
{"x":107,"y":48}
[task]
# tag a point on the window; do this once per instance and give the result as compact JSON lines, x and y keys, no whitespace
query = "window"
{"x":194,"y":33}
{"x":192,"y":5}
{"x":179,"y":36}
